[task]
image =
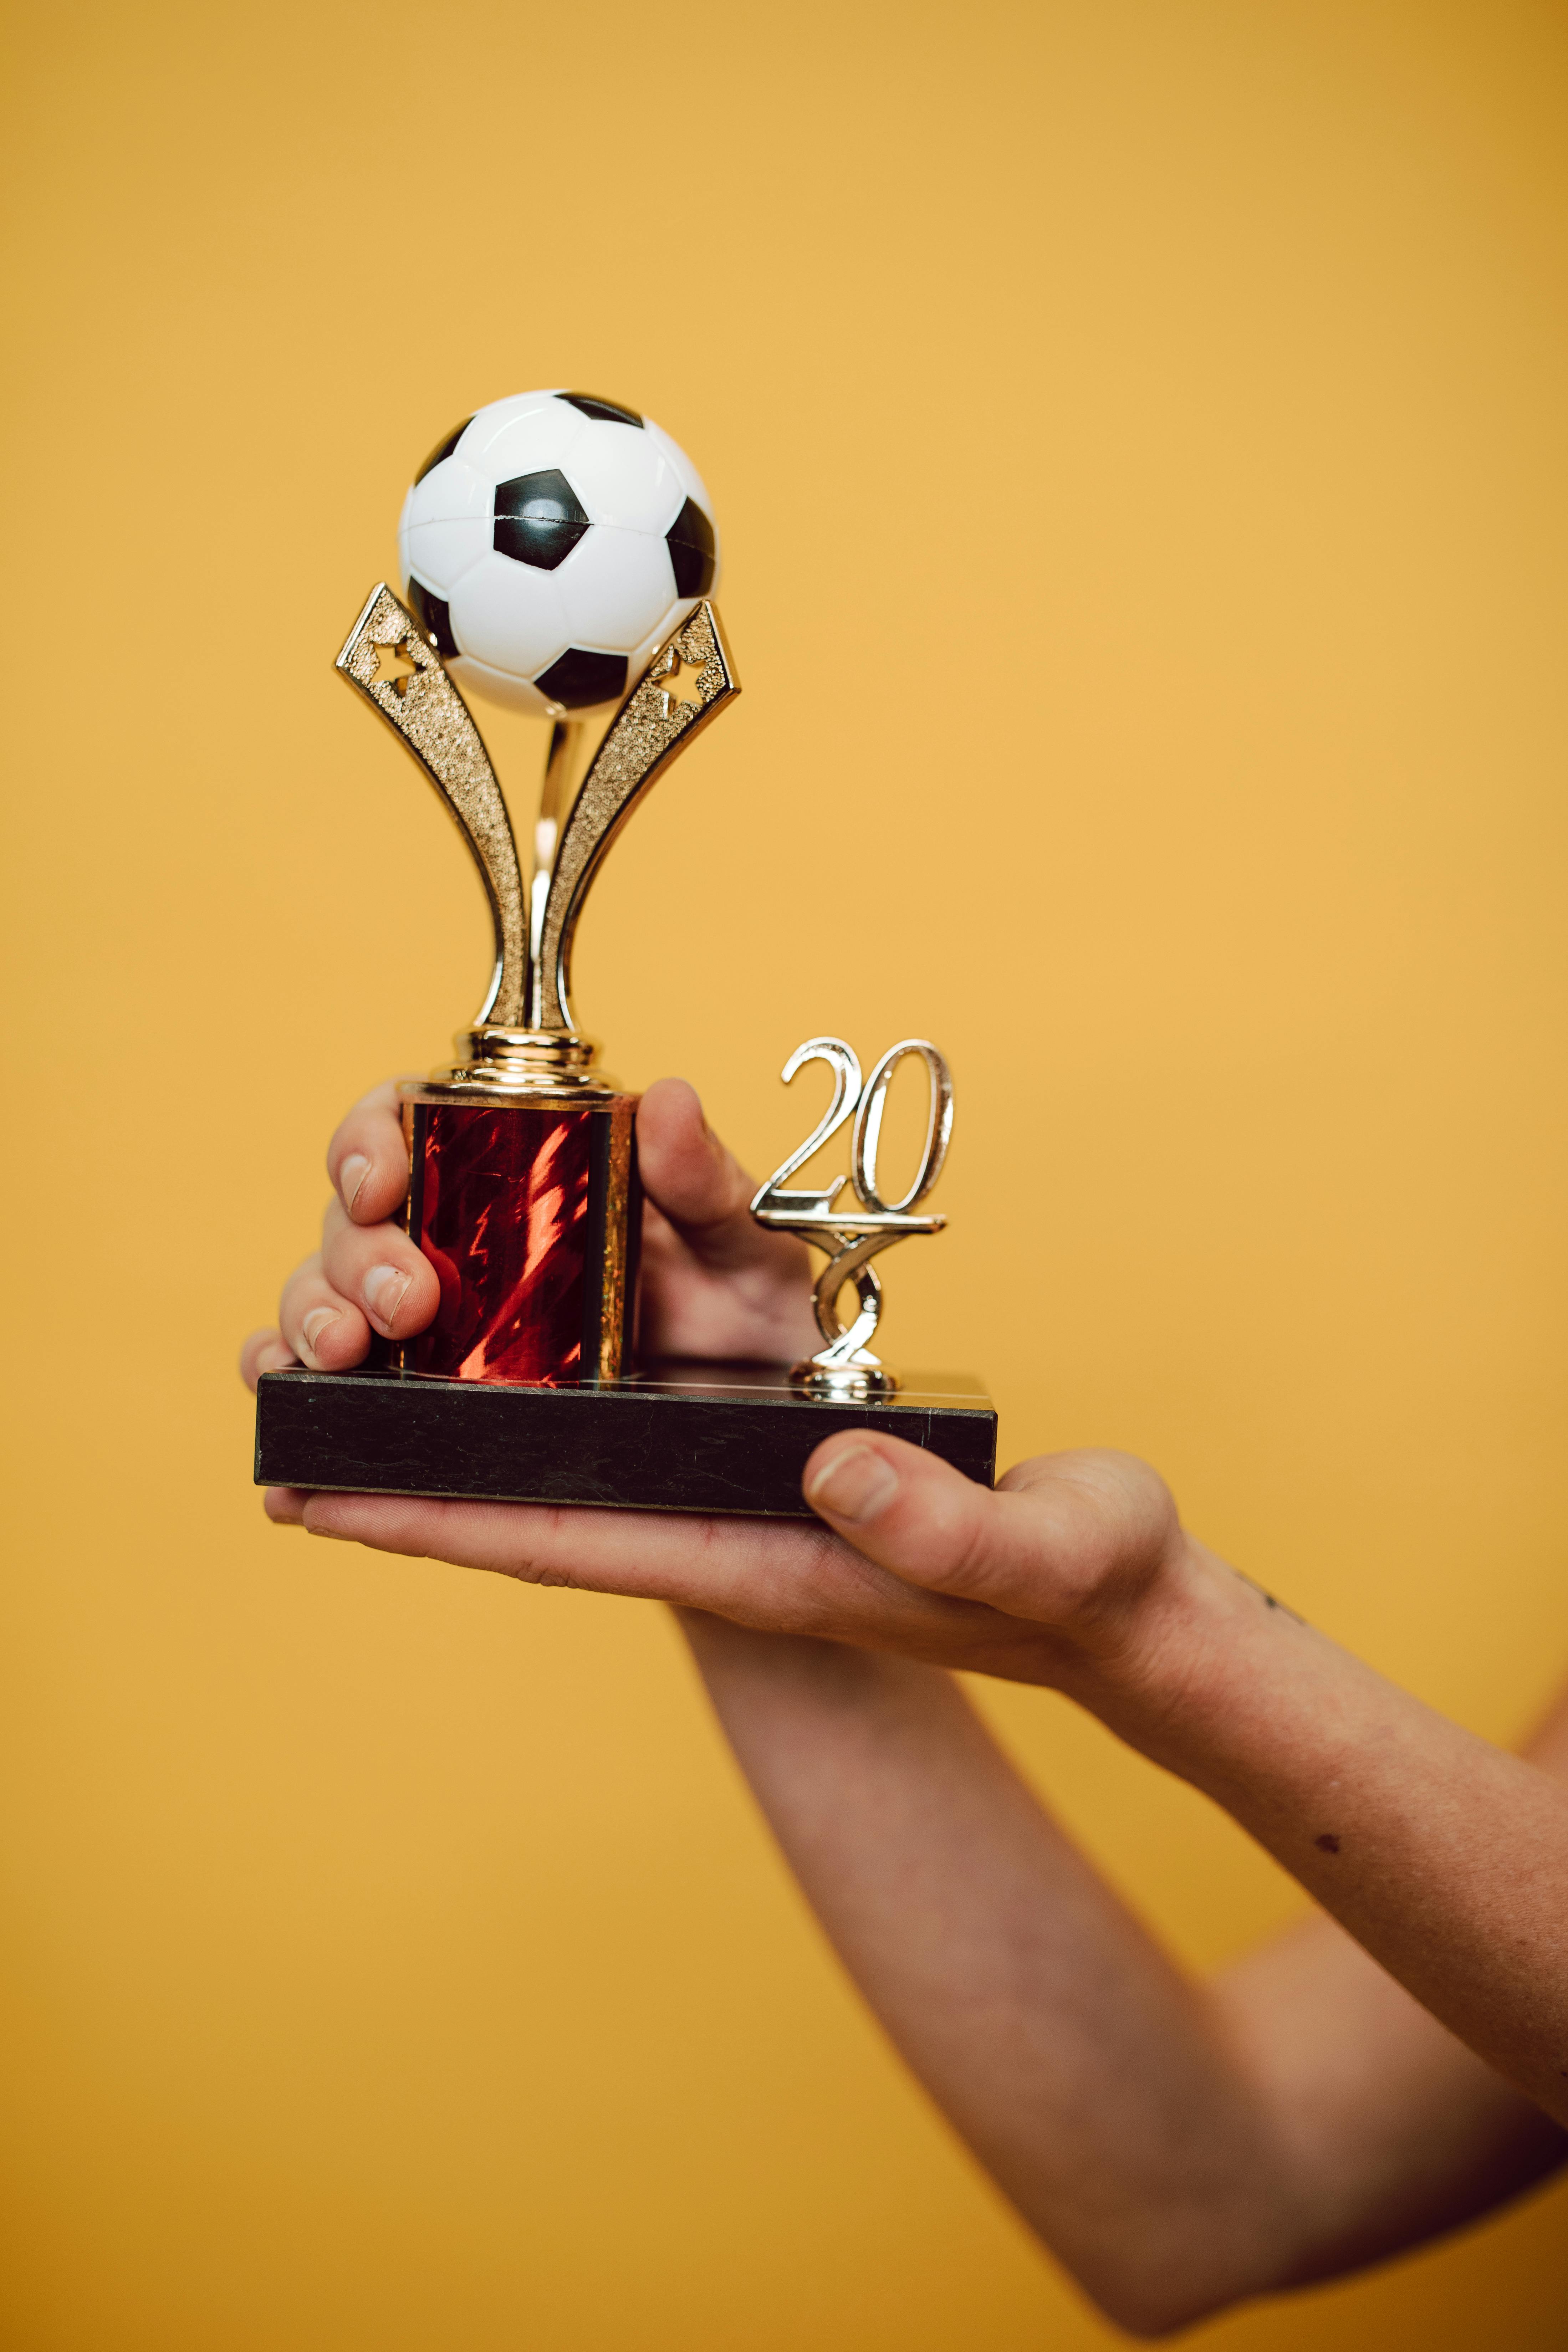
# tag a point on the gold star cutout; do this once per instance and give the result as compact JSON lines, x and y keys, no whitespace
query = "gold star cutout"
{"x":679,"y":683}
{"x":394,"y":666}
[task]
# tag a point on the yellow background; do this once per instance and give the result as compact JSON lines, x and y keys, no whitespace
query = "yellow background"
{"x":1137,"y":430}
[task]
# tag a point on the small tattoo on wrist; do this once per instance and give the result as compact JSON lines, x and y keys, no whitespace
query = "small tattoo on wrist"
{"x":1267,"y":1598}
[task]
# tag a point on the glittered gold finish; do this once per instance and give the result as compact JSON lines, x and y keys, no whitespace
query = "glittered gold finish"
{"x":657,"y":720}
{"x":523,"y":1039}
{"x":387,"y":658}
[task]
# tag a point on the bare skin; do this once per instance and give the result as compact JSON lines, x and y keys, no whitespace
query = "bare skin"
{"x":1350,"y":2090}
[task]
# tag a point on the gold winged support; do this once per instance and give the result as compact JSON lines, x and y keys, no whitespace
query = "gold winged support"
{"x":402,"y":675}
{"x":522,"y":1038}
{"x":690,"y":679}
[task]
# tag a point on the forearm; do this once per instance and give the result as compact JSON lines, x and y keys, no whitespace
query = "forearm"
{"x":1088,"y":2076}
{"x":1446,"y":1858}
{"x":1177,"y":2146}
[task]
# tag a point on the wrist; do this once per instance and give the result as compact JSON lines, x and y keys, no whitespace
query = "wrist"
{"x":1162,"y":1653}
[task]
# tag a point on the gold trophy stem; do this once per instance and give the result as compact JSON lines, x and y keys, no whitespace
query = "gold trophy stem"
{"x":564,"y":766}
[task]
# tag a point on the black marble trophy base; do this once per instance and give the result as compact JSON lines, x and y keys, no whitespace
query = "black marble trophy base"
{"x":674,"y":1437}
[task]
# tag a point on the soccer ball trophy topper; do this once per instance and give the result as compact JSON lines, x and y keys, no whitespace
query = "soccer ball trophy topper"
{"x":559,"y":552}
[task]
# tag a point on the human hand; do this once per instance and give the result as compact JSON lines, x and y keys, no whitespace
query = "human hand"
{"x":1056,"y":1573}
{"x":714,"y":1283}
{"x":911,"y":1557}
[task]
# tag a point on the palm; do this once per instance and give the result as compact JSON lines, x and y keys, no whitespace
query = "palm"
{"x":699,"y":1301}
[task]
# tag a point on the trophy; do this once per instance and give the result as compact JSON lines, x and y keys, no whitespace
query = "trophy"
{"x":559,"y":552}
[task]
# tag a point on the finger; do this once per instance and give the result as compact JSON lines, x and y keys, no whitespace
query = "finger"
{"x":326,"y":1330}
{"x":367,"y":1158}
{"x":1064,"y":1537}
{"x":285,"y":1506}
{"x":698,"y":1185}
{"x":390,"y":1281}
{"x":779,"y":1576}
{"x":264,"y":1351}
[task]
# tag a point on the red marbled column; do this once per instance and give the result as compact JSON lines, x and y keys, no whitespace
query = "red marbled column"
{"x":522,"y":1208}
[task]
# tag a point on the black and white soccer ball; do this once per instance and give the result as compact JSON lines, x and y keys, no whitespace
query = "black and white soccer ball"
{"x":550,"y":543}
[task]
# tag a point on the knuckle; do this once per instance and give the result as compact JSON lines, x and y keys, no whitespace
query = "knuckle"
{"x":340,"y":1246}
{"x":970,"y":1564}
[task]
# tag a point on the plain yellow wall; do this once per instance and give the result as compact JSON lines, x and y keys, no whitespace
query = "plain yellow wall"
{"x":1137,"y":428}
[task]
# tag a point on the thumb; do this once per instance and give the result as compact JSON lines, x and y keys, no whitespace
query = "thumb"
{"x":1065,"y":1538}
{"x":685,"y":1167}
{"x":695,"y":1181}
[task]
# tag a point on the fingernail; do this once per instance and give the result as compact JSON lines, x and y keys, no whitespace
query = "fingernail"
{"x":855,"y":1485}
{"x":350,"y":1178}
{"x":382,"y":1290}
{"x":314,"y":1324}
